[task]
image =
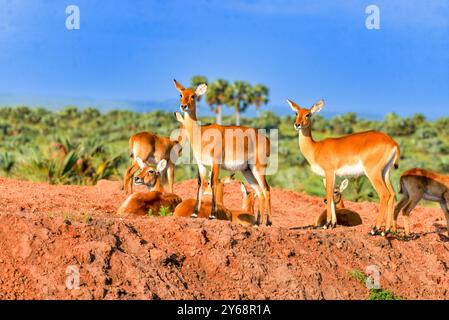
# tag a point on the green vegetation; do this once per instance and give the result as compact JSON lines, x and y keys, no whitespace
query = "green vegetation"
{"x":374,"y":294}
{"x":164,"y":212}
{"x":380,"y":294}
{"x":73,"y":146}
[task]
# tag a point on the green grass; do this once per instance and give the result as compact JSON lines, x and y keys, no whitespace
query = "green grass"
{"x":358,"y":275}
{"x":374,"y":294}
{"x":164,"y":212}
{"x":380,"y":294}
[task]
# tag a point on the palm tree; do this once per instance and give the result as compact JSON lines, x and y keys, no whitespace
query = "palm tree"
{"x":260,"y":94}
{"x":239,"y":96}
{"x":216,"y":97}
{"x":195,"y":81}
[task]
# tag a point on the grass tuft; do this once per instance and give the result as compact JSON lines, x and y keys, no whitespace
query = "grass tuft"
{"x":164,"y":212}
{"x":374,"y":294}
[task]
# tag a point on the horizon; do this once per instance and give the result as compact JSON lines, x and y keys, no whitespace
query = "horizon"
{"x":302,"y":51}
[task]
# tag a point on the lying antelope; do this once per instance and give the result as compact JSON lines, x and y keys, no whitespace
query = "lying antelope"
{"x":141,"y":203}
{"x":152,"y":148}
{"x":417,"y":184}
{"x":345,"y":217}
{"x":371,"y":153}
{"x":244,"y":217}
{"x":232,"y":148}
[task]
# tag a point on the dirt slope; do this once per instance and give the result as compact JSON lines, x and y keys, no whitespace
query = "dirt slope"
{"x":45,"y":229}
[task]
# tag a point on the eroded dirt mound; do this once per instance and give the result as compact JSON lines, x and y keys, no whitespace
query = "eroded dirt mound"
{"x":46,"y":232}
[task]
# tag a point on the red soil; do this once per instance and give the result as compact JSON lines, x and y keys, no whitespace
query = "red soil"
{"x":44,"y":229}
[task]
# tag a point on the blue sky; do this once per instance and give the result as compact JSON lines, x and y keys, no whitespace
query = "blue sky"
{"x":303,"y":50}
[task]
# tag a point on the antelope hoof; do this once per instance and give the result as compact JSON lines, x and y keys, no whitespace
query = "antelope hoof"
{"x":269,"y":223}
{"x":375,"y":232}
{"x":386,"y":232}
{"x":212,"y":217}
{"x":194,"y":215}
{"x":328,"y":225}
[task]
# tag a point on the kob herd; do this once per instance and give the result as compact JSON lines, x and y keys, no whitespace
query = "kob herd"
{"x":247,"y":150}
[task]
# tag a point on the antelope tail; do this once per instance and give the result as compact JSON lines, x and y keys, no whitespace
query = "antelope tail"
{"x":398,"y":155}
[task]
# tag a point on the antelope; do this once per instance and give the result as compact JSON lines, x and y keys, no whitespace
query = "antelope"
{"x":225,"y":147}
{"x":345,"y":217}
{"x":153,"y":148}
{"x":417,"y":184}
{"x":244,"y":217}
{"x":140,"y":203}
{"x":371,"y":153}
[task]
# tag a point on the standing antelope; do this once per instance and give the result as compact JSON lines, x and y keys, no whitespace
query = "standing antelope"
{"x":152,"y":148}
{"x":140,"y":203}
{"x":417,"y":184}
{"x":371,"y":153}
{"x":345,"y":217}
{"x":232,"y":148}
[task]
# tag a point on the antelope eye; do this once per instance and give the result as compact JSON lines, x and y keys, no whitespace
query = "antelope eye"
{"x":335,"y":192}
{"x":193,"y":96}
{"x":308,"y":115}
{"x":151,"y":171}
{"x":180,"y":95}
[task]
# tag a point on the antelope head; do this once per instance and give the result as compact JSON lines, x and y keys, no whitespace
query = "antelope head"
{"x":338,"y":198}
{"x":188,"y":98}
{"x":303,"y":118}
{"x":149,"y":175}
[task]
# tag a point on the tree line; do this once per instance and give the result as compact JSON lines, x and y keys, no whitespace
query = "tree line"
{"x":82,"y":146}
{"x":238,"y":95}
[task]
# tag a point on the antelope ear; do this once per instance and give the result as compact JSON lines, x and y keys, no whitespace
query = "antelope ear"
{"x":178,"y":86}
{"x":202,"y":88}
{"x":317,"y":107}
{"x":140,"y":163}
{"x":161,"y":165}
{"x":179,"y":117}
{"x":292,"y":105}
{"x":243,"y":189}
{"x":344,"y":185}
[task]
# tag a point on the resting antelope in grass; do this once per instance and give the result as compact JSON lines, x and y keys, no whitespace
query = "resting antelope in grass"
{"x":140,"y":203}
{"x":152,"y":148}
{"x":371,"y":153}
{"x":244,"y":217}
{"x":232,"y":148}
{"x":345,"y":217}
{"x":417,"y":184}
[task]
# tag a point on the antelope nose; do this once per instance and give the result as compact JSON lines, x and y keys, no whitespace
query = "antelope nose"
{"x":136,"y":179}
{"x":184,"y":107}
{"x":325,"y":201}
{"x":297,"y":126}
